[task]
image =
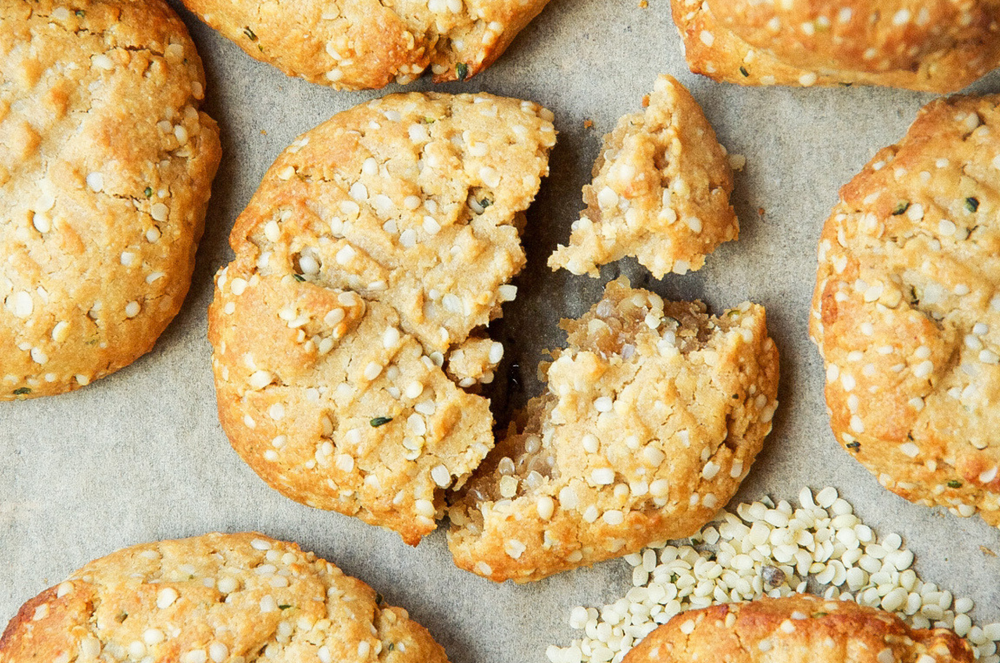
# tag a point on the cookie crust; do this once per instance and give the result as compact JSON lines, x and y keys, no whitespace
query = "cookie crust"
{"x":652,"y":417}
{"x":906,"y":311}
{"x":348,"y":328}
{"x":796,"y":628}
{"x":934,"y":46}
{"x":106,"y":165}
{"x":361,"y":44}
{"x":217,"y":597}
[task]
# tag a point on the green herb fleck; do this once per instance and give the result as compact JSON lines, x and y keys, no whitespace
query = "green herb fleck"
{"x":23,"y":391}
{"x":485,"y":202}
{"x":674,"y":577}
{"x":461,"y":70}
{"x":250,"y":33}
{"x":299,"y":278}
{"x":972,"y":204}
{"x":429,"y":120}
{"x":954,"y":483}
{"x":80,"y":13}
{"x":819,"y":614}
{"x":392,"y":645}
{"x":380,"y":421}
{"x":743,"y":70}
{"x":284,"y":606}
{"x":148,"y":192}
{"x":901,"y":208}
{"x":379,"y":599}
{"x":854,"y":446}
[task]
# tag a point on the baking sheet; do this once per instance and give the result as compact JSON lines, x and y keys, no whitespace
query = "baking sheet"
{"x":141,"y":456}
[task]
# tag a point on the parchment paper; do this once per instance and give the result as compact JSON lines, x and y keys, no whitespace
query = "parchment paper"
{"x":140,"y":455}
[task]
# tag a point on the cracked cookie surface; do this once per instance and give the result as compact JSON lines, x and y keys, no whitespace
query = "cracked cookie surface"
{"x":361,"y":44}
{"x":351,"y":322}
{"x":796,"y":629}
{"x":660,"y":191}
{"x":106,"y":166}
{"x":651,"y":419}
{"x":930,"y":45}
{"x":906,"y":311}
{"x":218,"y":597}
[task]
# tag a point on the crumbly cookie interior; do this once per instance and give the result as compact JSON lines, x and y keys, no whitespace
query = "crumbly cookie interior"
{"x":660,"y":191}
{"x":637,"y":427}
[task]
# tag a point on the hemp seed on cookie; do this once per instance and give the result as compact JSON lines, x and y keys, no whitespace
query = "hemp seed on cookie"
{"x":106,"y":165}
{"x":906,"y":311}
{"x":361,"y":44}
{"x":213,"y":599}
{"x":351,"y":322}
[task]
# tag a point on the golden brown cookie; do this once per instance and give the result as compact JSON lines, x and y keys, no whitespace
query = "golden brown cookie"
{"x":349,"y":325}
{"x":650,"y":421}
{"x":360,"y":44}
{"x":660,"y":191}
{"x":212,"y":599}
{"x":906,"y":311}
{"x":931,"y":45}
{"x":106,"y":166}
{"x":796,"y":629}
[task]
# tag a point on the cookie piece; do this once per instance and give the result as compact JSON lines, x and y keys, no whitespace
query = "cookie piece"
{"x":660,"y":191}
{"x":930,"y":45}
{"x":106,"y":166}
{"x":797,"y":628}
{"x":906,"y":311}
{"x":361,"y":44}
{"x":651,"y":419}
{"x":375,"y":251}
{"x":217,"y":597}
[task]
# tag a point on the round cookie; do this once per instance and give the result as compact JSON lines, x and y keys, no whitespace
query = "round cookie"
{"x":350,"y":324}
{"x":660,"y":191}
{"x":931,"y":45}
{"x":217,"y":597}
{"x":906,"y":311}
{"x":650,"y":421}
{"x":106,"y":166}
{"x":361,"y":44}
{"x":796,"y":629}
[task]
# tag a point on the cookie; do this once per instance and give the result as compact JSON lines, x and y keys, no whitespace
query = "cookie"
{"x":660,"y":191}
{"x":217,"y":597}
{"x":929,"y":45}
{"x":348,"y":332}
{"x":106,"y":165}
{"x":797,"y":628}
{"x":361,"y":44}
{"x":651,"y":419}
{"x":906,"y":311}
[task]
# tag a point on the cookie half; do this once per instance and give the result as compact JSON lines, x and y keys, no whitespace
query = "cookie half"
{"x":106,"y":166}
{"x":929,"y":45}
{"x":217,"y":597}
{"x":796,"y":628}
{"x":660,"y":191}
{"x":361,"y":44}
{"x":650,"y":421}
{"x":906,"y":311}
{"x":349,"y":330}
